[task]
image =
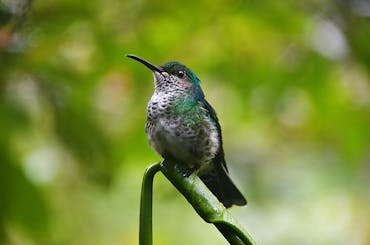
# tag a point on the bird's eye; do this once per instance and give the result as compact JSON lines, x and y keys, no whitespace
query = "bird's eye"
{"x":180,"y":74}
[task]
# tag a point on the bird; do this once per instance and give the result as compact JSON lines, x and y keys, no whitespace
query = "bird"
{"x":183,"y":128}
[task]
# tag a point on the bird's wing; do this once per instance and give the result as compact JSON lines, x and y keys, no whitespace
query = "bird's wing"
{"x":219,"y":158}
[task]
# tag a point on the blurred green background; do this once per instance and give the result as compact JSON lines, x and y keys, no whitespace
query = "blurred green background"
{"x":290,"y":81}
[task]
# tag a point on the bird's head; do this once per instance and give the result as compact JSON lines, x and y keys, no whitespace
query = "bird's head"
{"x":170,"y":75}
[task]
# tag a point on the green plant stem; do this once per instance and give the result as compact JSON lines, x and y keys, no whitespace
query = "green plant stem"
{"x":229,"y":234}
{"x":198,"y":195}
{"x":145,"y":227}
{"x":207,"y":205}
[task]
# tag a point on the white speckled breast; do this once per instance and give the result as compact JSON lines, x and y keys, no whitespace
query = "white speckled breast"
{"x":193,"y":142}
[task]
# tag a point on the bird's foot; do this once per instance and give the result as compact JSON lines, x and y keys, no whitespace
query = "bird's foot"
{"x":185,"y":170}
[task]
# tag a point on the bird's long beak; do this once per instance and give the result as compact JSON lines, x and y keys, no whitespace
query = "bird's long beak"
{"x":146,"y":63}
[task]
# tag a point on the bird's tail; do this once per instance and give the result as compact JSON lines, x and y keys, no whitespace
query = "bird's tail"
{"x":217,"y":179}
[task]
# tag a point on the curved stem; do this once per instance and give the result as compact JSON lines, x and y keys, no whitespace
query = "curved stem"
{"x":229,"y":234}
{"x":198,"y":195}
{"x":145,"y":227}
{"x":207,"y":205}
{"x":234,"y":234}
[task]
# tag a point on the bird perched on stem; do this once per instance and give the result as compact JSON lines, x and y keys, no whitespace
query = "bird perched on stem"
{"x":184,"y":129}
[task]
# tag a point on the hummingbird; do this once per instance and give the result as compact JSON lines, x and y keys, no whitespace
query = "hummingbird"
{"x":183,"y":128}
